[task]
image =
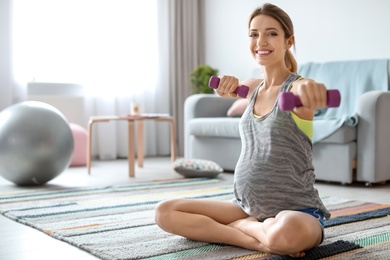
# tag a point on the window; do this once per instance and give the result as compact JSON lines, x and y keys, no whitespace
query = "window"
{"x":108,"y":46}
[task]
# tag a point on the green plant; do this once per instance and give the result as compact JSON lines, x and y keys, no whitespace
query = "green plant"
{"x":200,"y":79}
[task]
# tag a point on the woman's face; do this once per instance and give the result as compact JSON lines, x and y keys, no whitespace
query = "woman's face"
{"x":267,"y":40}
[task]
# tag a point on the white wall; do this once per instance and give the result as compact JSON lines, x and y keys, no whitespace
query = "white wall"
{"x":324,"y":31}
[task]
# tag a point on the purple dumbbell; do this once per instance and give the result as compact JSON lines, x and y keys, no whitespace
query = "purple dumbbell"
{"x":241,"y":91}
{"x":287,"y":100}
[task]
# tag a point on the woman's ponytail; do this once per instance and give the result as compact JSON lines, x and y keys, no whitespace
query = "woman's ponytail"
{"x":290,"y":62}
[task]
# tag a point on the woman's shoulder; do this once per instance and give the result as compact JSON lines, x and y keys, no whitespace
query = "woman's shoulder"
{"x":252,"y":83}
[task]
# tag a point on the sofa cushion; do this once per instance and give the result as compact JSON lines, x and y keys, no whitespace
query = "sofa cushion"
{"x":343,"y":135}
{"x":215,"y":126}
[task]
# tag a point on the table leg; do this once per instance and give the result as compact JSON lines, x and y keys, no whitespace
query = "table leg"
{"x":131,"y":152}
{"x":140,"y":139}
{"x":173,"y":137}
{"x":89,"y":146}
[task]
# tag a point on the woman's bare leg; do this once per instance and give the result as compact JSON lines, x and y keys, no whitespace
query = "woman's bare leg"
{"x":205,"y":220}
{"x":290,"y":232}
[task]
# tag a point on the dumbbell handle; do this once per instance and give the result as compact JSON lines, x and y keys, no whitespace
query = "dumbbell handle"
{"x":241,"y":90}
{"x":288,"y":101}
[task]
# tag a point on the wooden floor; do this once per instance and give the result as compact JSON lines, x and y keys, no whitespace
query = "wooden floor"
{"x":19,"y":242}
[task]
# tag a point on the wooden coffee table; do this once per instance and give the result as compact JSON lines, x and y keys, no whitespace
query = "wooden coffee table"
{"x":132,"y":120}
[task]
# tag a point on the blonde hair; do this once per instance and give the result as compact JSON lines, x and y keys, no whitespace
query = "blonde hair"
{"x":285,"y":21}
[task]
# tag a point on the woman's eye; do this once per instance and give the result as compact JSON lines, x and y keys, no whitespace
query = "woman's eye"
{"x":273,"y":34}
{"x":252,"y":35}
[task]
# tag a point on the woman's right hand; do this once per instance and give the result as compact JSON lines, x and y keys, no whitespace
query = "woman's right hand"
{"x":227,"y":85}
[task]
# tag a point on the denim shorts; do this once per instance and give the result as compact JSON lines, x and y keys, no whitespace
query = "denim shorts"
{"x":317,"y":213}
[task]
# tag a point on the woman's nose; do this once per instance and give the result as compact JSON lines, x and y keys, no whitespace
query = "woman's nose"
{"x":261,"y":41}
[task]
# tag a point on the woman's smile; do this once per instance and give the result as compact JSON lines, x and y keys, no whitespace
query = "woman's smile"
{"x":263,"y":53}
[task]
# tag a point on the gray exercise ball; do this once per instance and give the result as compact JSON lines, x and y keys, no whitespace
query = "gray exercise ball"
{"x":36,"y":143}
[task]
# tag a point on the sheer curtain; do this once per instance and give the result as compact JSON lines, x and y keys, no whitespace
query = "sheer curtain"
{"x":113,"y":48}
{"x":10,"y":91}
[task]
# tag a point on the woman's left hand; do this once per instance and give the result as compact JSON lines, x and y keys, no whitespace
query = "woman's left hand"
{"x":312,"y":95}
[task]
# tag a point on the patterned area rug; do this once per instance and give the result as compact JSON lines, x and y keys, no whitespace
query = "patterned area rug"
{"x":117,"y":222}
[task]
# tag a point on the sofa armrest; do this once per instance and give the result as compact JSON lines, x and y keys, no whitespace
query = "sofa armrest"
{"x":373,"y":137}
{"x":206,"y":105}
{"x":203,"y":105}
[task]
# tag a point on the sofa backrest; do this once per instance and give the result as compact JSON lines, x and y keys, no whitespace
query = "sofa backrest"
{"x":352,"y":78}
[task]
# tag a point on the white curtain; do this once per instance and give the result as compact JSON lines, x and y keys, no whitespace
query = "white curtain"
{"x":113,"y":48}
{"x":10,"y":91}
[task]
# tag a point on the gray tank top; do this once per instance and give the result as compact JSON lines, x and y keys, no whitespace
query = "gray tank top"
{"x":275,"y":170}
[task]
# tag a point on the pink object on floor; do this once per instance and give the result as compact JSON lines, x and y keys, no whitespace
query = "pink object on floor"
{"x":79,"y":157}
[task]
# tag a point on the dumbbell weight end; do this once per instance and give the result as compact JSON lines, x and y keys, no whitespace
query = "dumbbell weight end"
{"x":288,"y":101}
